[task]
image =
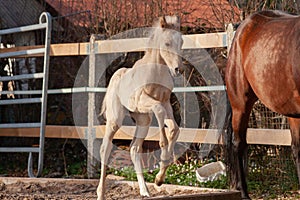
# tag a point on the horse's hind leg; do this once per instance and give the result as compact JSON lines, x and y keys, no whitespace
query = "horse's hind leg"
{"x":114,"y":118}
{"x":142,"y":126}
{"x":295,"y":133}
{"x":241,"y":109}
{"x":238,"y":159}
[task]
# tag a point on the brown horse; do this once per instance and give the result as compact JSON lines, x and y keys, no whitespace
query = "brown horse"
{"x":263,"y":63}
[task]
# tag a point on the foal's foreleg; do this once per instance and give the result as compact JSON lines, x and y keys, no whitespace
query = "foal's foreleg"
{"x":172,"y":135}
{"x":295,"y":133}
{"x":161,"y":114}
{"x":173,"y":129}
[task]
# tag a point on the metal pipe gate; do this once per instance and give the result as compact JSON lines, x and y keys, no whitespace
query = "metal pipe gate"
{"x":45,"y":22}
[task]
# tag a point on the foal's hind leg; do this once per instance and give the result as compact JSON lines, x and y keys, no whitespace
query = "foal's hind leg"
{"x":142,"y":126}
{"x":114,"y":118}
{"x":295,"y":133}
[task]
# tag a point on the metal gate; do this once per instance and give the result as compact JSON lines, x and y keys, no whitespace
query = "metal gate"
{"x":45,"y":22}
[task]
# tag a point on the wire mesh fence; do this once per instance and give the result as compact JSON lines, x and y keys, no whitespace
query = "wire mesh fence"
{"x":262,"y":117}
{"x":272,"y":169}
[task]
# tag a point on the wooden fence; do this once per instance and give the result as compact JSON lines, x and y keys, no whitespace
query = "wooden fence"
{"x":91,"y":133}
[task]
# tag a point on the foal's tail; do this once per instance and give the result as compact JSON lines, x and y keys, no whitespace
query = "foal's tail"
{"x":111,"y":90}
{"x":103,"y":108}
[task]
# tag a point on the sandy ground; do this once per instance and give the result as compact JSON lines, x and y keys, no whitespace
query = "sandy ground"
{"x":81,"y":189}
{"x":12,"y":188}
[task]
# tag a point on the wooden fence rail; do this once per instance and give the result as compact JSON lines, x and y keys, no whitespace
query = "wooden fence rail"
{"x":195,"y":41}
{"x":190,"y":135}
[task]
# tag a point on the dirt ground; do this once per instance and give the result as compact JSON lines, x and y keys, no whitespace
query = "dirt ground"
{"x":60,"y":189}
{"x":85,"y":189}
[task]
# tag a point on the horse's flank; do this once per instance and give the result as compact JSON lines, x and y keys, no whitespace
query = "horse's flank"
{"x":268,"y":34}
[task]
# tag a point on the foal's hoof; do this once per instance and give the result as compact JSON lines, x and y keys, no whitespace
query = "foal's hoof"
{"x":146,"y":194}
{"x":144,"y":191}
{"x":158,"y":182}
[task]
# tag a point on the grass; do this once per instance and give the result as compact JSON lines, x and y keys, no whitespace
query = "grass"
{"x":177,"y":174}
{"x":272,"y":172}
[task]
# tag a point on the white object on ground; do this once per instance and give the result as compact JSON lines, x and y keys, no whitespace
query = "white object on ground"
{"x":211,"y":171}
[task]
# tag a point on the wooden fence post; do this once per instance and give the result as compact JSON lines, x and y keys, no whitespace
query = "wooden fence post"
{"x":230,"y":35}
{"x":92,"y":148}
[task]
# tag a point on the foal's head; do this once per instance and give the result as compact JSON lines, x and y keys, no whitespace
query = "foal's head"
{"x":167,"y":39}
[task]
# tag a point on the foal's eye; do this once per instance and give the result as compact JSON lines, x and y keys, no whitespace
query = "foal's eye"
{"x":168,"y":44}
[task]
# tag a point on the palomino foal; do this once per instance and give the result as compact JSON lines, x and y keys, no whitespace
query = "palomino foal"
{"x":142,"y":90}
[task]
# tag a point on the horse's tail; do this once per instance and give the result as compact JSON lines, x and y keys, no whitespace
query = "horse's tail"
{"x":227,"y":138}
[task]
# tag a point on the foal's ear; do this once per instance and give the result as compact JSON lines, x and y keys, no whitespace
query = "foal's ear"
{"x":176,"y":22}
{"x":162,"y":22}
{"x":177,"y":19}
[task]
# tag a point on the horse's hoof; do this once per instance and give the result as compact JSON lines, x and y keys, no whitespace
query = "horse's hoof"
{"x":246,"y":197}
